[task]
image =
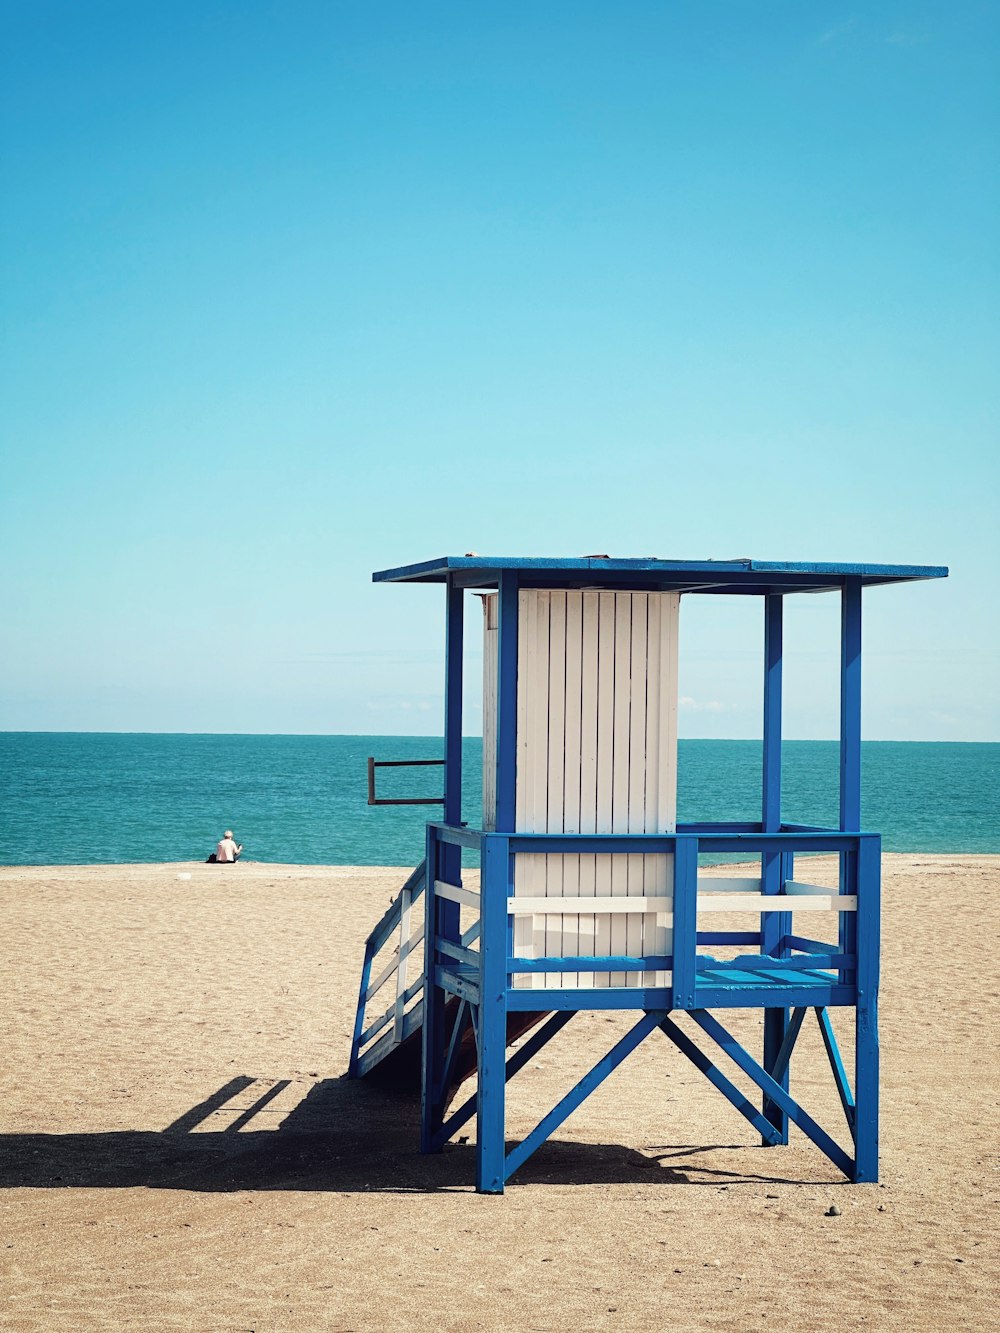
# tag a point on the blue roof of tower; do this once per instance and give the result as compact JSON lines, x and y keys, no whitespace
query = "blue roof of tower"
{"x":609,"y":572}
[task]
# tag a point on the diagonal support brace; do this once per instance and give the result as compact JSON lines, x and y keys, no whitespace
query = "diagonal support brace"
{"x":714,"y":1029}
{"x":770,"y":1133}
{"x":516,"y":1062}
{"x":839,"y":1073}
{"x":565,"y":1108}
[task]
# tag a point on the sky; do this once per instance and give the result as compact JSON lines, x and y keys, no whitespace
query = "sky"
{"x":295,"y":291}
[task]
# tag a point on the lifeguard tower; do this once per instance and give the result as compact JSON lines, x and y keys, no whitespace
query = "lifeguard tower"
{"x":590,"y":896}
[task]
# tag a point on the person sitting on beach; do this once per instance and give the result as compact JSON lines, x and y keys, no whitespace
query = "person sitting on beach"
{"x":227,"y":850}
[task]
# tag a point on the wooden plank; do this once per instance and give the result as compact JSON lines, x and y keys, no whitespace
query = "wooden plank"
{"x":656,"y":933}
{"x":635,"y":927}
{"x":618,"y":924}
{"x":490,"y":648}
{"x":573,"y":767}
{"x":589,"y":692}
{"x":666,"y":755}
{"x":605,"y":765}
{"x":538,"y":760}
{"x":552,"y":929}
{"x":523,"y":878}
{"x":747,"y":884}
{"x":583,"y":904}
{"x":404,"y":930}
{"x":391,"y":967}
{"x":465,"y":897}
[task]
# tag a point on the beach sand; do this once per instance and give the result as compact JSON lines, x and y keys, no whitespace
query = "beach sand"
{"x":180,"y":1148}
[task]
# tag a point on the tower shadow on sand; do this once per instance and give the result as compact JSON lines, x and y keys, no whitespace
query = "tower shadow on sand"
{"x":342,"y":1137}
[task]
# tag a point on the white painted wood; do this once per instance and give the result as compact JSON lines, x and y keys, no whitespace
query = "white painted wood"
{"x":523,"y":878}
{"x":662,"y":905}
{"x":635,"y":927}
{"x":390,"y":969}
{"x":590,"y":628}
{"x":465,"y":897}
{"x":762,"y":902}
{"x":596,"y":753}
{"x":404,"y":931}
{"x":727,"y":885}
{"x":615,"y":903}
{"x":539,"y":744}
{"x":573,"y":768}
{"x":552,"y":929}
{"x":605,"y":766}
{"x":620,"y":785}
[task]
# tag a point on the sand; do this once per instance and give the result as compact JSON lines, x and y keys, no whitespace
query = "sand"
{"x":180,"y":1149}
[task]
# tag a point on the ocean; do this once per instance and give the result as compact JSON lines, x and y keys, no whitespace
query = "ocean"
{"x":71,"y":798}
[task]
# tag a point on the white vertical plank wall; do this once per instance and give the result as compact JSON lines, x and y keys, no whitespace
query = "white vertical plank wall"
{"x":596,"y":753}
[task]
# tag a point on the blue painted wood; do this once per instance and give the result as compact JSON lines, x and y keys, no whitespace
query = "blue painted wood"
{"x":866,"y":1046}
{"x":685,"y":925}
{"x":604,"y":963}
{"x":506,"y":769}
{"x":773,"y":925}
{"x":490,"y":1140}
{"x":715,"y":1076}
{"x":555,"y":1023}
{"x":390,"y":919}
{"x":778,"y":966}
{"x":784,"y":1053}
{"x":805,"y":945}
{"x":729,"y":937}
{"x":459,"y":837}
{"x":807,"y":992}
{"x":728,"y":575}
{"x":451,"y":857}
{"x":714,"y":1029}
{"x":432,"y":1034}
{"x":605,"y":1066}
{"x":771,"y":771}
{"x":837,"y":1065}
{"x":359,"y":1017}
{"x":850,"y":706}
{"x":746,"y":844}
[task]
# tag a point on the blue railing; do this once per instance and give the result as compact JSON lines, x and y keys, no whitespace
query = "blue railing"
{"x":786,"y":968}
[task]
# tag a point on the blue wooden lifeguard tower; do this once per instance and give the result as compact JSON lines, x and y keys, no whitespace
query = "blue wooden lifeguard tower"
{"x":590,"y":896}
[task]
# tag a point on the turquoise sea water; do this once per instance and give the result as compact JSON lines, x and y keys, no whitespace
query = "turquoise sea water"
{"x":71,"y":798}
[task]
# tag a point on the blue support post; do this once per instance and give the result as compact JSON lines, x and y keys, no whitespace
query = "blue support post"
{"x":850,"y":706}
{"x":685,"y":931}
{"x":454,"y":633}
{"x":451,"y":855}
{"x":866,"y":1067}
{"x":773,"y":925}
{"x":491,"y":1143}
{"x":432,"y":1036}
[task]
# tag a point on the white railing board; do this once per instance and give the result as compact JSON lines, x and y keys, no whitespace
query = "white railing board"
{"x":454,"y":894}
{"x":604,"y":905}
{"x":391,"y":967}
{"x":385,"y":1018}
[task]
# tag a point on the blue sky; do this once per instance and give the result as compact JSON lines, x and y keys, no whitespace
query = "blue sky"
{"x":296,"y":291}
